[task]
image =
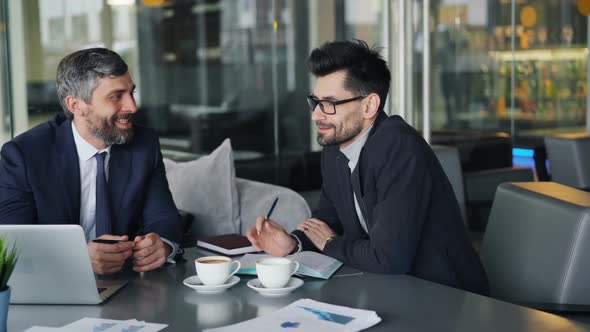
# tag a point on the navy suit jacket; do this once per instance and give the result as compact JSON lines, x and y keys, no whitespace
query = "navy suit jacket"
{"x":413,"y":218}
{"x":40,"y":182}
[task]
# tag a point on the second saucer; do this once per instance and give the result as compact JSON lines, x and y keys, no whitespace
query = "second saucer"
{"x":293,"y":284}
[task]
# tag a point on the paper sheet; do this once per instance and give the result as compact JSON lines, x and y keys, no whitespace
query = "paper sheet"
{"x":103,"y":325}
{"x":310,"y":316}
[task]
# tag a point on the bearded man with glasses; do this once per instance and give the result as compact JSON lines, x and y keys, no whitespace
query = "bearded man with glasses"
{"x":386,"y":205}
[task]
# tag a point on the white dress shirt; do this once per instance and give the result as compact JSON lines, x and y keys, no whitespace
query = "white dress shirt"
{"x":86,"y":153}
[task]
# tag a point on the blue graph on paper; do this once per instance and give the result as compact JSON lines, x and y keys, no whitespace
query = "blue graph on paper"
{"x":328,"y":316}
{"x":292,"y":325}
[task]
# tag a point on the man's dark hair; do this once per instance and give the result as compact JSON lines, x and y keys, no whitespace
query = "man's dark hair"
{"x":78,"y":73}
{"x":367,"y":72}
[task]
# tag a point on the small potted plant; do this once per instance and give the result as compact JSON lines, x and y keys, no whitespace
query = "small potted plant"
{"x":8,"y":258}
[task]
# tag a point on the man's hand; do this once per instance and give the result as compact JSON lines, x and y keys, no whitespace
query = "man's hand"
{"x":317,"y":231}
{"x":271,"y":237}
{"x":149,"y":252}
{"x":109,"y":258}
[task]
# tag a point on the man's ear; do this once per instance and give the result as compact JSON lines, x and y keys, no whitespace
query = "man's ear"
{"x":75,"y":105}
{"x":372,"y":102}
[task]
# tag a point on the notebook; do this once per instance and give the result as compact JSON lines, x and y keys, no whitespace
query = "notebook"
{"x":228,"y":244}
{"x":54,"y":266}
{"x":311,"y":264}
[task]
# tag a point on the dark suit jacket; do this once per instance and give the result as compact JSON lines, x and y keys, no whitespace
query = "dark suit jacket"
{"x":414,"y":222}
{"x":40,"y":182}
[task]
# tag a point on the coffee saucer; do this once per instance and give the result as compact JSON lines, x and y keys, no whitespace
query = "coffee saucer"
{"x":292,"y":285}
{"x":195,"y":283}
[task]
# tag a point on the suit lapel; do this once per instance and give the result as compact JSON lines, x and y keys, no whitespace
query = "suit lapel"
{"x":356,"y":176}
{"x":119,"y":174}
{"x":68,"y":166}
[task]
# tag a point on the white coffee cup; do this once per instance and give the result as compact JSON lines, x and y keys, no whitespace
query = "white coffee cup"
{"x":215,"y":270}
{"x":275,"y":272}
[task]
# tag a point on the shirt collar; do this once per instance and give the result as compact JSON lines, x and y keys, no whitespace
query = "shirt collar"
{"x":85,"y":149}
{"x":353,"y":151}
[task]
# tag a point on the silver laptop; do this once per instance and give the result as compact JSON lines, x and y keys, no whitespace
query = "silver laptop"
{"x":54,"y":266}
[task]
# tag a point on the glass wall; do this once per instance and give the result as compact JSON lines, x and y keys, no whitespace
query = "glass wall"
{"x":205,"y":70}
{"x":54,"y":28}
{"x":5,"y":114}
{"x":210,"y":69}
{"x":365,"y":20}
{"x":526,"y":77}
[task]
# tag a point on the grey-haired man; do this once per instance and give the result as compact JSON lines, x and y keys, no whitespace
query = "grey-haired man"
{"x":94,"y":167}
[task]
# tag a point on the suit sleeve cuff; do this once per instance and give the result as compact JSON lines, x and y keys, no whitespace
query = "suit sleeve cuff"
{"x":175,"y":250}
{"x":298,"y":247}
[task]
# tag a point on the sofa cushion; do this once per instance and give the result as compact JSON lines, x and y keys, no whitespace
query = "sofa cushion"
{"x":206,"y":188}
{"x":256,"y":198}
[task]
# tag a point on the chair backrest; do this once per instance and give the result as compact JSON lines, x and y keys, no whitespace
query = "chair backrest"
{"x":536,"y":248}
{"x":569,"y":158}
{"x":448,"y":156}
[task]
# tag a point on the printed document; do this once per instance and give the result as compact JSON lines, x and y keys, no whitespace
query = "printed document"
{"x":310,"y":316}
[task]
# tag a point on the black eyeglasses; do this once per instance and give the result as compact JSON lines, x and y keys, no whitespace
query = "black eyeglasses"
{"x":328,"y":106}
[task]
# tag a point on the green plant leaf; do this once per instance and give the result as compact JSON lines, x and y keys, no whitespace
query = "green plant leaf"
{"x":8,"y":260}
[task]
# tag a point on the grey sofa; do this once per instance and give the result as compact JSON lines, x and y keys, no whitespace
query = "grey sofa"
{"x":448,"y":156}
{"x":220,"y":203}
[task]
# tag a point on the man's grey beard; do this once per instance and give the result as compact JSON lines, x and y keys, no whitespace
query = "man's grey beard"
{"x":110,"y":135}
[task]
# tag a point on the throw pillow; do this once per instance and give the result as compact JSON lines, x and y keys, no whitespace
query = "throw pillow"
{"x":206,"y":188}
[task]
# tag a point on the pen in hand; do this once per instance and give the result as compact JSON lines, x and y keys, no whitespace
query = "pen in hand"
{"x":272,"y":207}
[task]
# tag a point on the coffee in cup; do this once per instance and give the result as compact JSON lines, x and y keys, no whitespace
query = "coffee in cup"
{"x":215,"y":270}
{"x":275,"y":272}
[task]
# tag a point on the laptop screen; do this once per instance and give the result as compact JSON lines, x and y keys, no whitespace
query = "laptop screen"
{"x":55,"y":255}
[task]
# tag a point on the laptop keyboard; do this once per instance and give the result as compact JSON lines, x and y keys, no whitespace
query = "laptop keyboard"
{"x":101,"y":289}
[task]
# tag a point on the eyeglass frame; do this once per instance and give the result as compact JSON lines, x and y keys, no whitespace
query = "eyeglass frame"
{"x":317,"y":102}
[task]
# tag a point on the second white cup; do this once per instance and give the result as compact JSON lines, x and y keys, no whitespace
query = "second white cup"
{"x":275,"y":272}
{"x":215,"y":270}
